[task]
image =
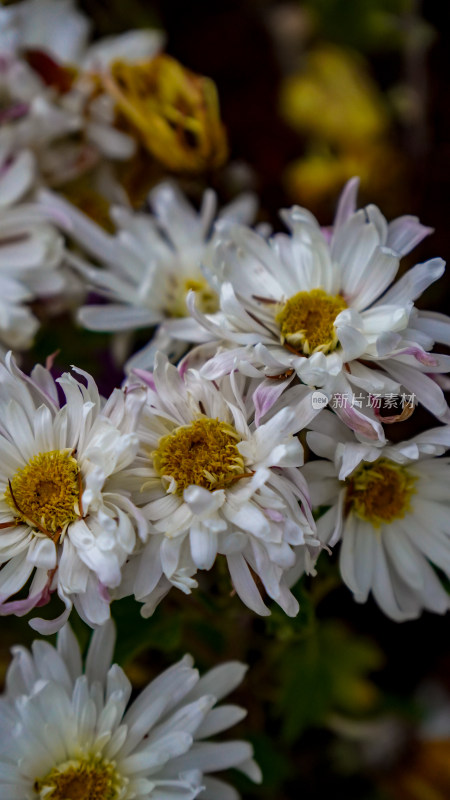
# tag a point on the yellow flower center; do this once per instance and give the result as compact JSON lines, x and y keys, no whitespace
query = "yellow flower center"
{"x":81,"y":779}
{"x":307,"y":321}
{"x":203,"y":453}
{"x":46,"y":492}
{"x":380,"y":492}
{"x":206,"y":298}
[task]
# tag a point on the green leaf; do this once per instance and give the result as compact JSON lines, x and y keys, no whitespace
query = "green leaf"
{"x":328,"y":672}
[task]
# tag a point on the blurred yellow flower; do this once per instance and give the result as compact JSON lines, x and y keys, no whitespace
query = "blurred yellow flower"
{"x":426,"y":776}
{"x":174,"y":111}
{"x":319,"y":176}
{"x":334,"y":98}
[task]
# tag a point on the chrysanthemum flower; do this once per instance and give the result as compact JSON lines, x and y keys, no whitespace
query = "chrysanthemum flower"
{"x":326,"y":309}
{"x":47,"y":42}
{"x":174,"y":111}
{"x":389,"y":506}
{"x":66,"y":734}
{"x":30,"y":249}
{"x":211,"y":482}
{"x":65,"y":525}
{"x":149,"y":266}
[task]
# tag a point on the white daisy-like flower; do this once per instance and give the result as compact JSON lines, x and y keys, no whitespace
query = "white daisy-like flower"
{"x":55,"y":26}
{"x":389,"y":506}
{"x":150,"y":265}
{"x":50,"y":78}
{"x":64,"y":526}
{"x":211,"y":482}
{"x":30,"y":249}
{"x":59,"y":28}
{"x":69,"y":734}
{"x":323,"y":306}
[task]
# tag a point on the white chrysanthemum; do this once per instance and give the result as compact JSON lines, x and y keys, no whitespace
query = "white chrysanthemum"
{"x":211,"y":482}
{"x":150,"y":265}
{"x":64,"y":526}
{"x":58,"y":28}
{"x":390,"y":507}
{"x":54,"y":26}
{"x":326,"y":308}
{"x":66,"y":734}
{"x":43,"y":117}
{"x":30,"y":249}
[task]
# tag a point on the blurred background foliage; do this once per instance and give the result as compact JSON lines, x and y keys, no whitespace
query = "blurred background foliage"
{"x":311,"y":92}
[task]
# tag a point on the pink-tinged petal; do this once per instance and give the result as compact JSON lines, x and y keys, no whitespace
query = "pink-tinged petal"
{"x":13,"y":112}
{"x":427,"y":359}
{"x":327,"y":232}
{"x":405,"y":233}
{"x":428,"y":393}
{"x":22,"y":607}
{"x":347,"y":203}
{"x":442,"y":380}
{"x":40,"y":383}
{"x":104,"y":593}
{"x":359,"y":423}
{"x":275,"y":516}
{"x":222,"y":363}
{"x":145,"y":377}
{"x":267,"y":393}
{"x":414,"y":282}
{"x":50,"y":626}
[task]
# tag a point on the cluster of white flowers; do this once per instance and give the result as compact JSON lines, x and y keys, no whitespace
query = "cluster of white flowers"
{"x":200,"y":455}
{"x":55,"y":126}
{"x":49,"y":76}
{"x":66,"y":734}
{"x":191,"y":462}
{"x":218,"y":469}
{"x":30,"y":248}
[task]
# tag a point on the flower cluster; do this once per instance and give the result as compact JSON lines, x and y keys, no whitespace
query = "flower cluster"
{"x":99,"y":746}
{"x":185,"y":464}
{"x":250,"y":436}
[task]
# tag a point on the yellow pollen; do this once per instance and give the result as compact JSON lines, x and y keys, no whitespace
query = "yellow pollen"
{"x":46,"y":492}
{"x":203,"y":453}
{"x":380,"y":492}
{"x":83,"y":779}
{"x":307,"y":321}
